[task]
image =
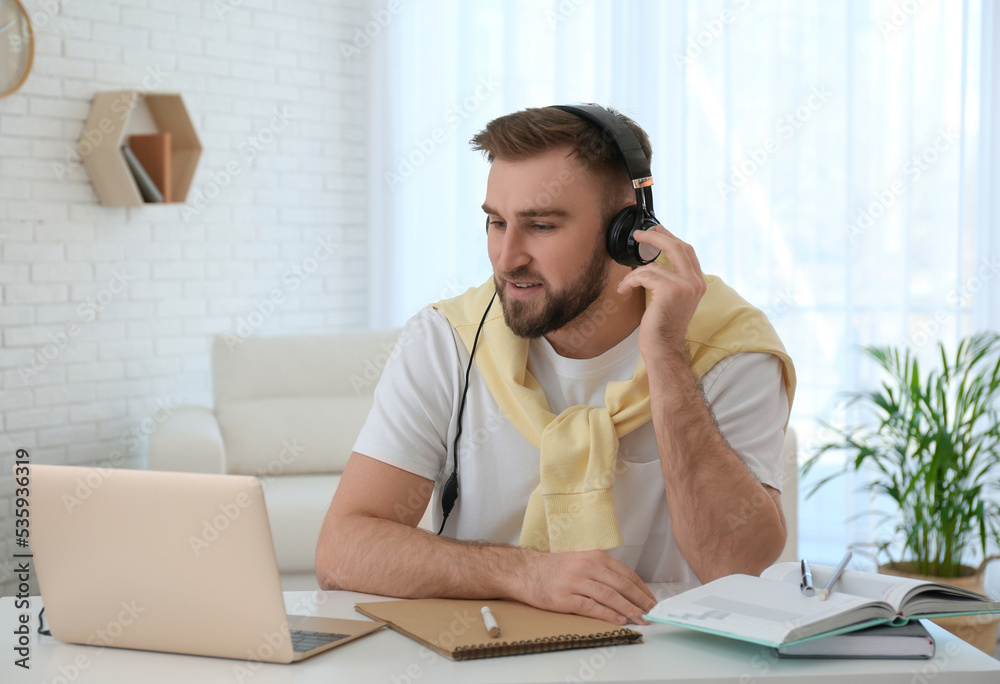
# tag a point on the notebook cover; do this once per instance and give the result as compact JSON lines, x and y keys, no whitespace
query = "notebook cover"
{"x":455,"y":629}
{"x":153,"y":152}
{"x":911,"y":640}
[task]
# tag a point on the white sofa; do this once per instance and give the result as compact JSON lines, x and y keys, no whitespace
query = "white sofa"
{"x":790,"y":496}
{"x":286,"y":409}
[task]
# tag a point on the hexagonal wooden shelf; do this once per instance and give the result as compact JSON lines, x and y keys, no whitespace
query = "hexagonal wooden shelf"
{"x":105,"y":133}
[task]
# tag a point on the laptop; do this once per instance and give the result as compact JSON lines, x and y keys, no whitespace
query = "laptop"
{"x":164,"y":561}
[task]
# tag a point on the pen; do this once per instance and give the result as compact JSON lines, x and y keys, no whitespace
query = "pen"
{"x":807,"y":579}
{"x":491,"y":622}
{"x":836,"y":576}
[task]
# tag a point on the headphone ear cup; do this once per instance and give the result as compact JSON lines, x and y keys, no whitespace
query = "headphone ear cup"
{"x":620,"y":236}
{"x":645,"y":253}
{"x":622,"y":245}
{"x":649,"y":222}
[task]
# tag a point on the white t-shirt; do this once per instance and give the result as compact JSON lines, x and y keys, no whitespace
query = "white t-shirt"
{"x":414,"y":420}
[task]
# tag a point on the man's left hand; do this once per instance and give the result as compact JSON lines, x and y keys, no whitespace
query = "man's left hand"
{"x":674,"y":294}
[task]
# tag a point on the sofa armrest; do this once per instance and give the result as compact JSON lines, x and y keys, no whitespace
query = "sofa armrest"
{"x":188,"y":441}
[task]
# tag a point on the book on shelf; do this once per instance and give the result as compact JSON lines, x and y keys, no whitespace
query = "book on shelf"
{"x":770,"y":610}
{"x":147,"y":188}
{"x":153,"y":152}
{"x":455,"y":628}
{"x":911,"y":640}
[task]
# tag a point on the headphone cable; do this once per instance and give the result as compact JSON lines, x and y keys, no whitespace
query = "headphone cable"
{"x":449,"y":495}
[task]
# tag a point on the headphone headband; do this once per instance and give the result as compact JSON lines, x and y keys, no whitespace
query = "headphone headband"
{"x":623,"y":137}
{"x":621,"y":242}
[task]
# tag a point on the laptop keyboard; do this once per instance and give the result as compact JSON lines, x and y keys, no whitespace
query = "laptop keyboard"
{"x":303,"y":640}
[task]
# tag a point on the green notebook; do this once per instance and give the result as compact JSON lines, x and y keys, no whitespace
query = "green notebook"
{"x":770,"y":610}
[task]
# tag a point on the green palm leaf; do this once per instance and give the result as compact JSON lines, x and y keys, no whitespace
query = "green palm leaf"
{"x":931,"y":445}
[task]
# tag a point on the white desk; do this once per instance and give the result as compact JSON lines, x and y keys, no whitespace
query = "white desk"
{"x":668,"y":654}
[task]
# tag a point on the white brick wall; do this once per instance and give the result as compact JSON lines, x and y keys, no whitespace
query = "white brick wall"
{"x":107,"y":311}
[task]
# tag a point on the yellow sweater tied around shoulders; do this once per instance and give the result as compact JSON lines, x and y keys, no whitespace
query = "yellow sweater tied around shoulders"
{"x":573,"y":508}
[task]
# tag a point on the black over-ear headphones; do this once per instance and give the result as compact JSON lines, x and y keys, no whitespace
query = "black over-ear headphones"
{"x":620,"y":236}
{"x":621,"y":245}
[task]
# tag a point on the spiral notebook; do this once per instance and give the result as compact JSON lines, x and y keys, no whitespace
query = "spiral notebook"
{"x":455,"y":628}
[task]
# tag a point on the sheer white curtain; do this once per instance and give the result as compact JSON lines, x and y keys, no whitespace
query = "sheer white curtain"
{"x":831,"y":160}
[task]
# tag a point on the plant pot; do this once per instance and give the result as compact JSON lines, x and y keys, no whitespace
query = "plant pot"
{"x":978,"y":630}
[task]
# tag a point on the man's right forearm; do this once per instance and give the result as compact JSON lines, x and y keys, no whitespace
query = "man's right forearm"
{"x":363,"y":547}
{"x":377,"y":556}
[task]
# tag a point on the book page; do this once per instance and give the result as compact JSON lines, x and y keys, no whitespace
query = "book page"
{"x":870,"y":585}
{"x":763,"y":610}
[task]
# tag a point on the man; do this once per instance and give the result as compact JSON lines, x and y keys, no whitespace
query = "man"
{"x":612,"y":437}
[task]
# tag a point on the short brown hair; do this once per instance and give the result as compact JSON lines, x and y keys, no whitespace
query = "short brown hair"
{"x":530,"y":132}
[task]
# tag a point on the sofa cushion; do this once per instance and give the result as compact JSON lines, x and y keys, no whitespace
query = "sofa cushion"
{"x":346,"y":364}
{"x":291,"y":435}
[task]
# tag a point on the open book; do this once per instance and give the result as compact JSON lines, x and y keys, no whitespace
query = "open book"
{"x":771,"y":610}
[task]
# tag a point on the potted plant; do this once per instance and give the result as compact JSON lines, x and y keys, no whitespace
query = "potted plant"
{"x":932,"y":447}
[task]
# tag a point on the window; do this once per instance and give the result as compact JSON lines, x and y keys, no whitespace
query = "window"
{"x":831,"y":161}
